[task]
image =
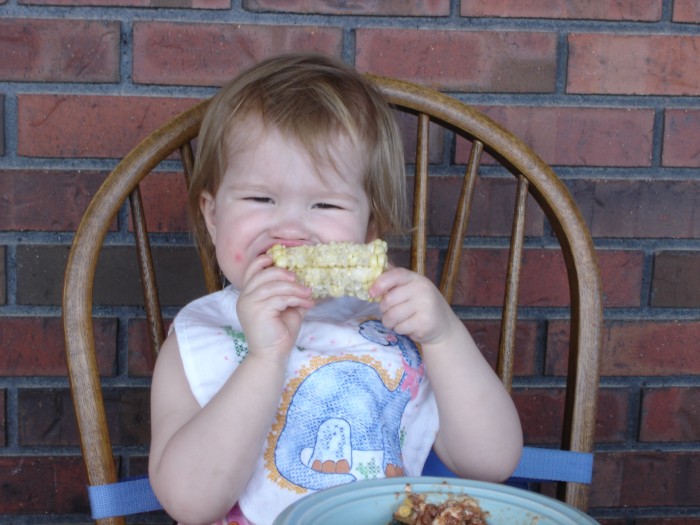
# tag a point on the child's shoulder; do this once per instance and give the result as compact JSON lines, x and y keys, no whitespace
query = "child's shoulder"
{"x":210,"y":309}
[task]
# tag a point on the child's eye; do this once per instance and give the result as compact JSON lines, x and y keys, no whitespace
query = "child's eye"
{"x":326,"y":206}
{"x":259,"y":199}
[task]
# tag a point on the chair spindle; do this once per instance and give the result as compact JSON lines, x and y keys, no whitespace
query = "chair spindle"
{"x":506,"y":353}
{"x":461,"y":221}
{"x":420,"y":197}
{"x":154,"y":315}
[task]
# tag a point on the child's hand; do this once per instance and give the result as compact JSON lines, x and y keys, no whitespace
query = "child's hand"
{"x":411,"y":305}
{"x":271,"y":308}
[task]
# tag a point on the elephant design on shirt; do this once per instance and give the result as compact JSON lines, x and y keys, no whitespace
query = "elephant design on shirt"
{"x":343,"y":422}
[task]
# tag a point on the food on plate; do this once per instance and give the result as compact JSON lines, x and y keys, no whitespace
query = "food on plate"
{"x":335,"y":269}
{"x":455,"y":510}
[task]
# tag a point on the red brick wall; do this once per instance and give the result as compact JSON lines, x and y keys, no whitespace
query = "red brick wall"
{"x":607,"y":92}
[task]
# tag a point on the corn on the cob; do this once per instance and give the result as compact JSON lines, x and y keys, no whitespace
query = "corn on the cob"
{"x":334,"y":269}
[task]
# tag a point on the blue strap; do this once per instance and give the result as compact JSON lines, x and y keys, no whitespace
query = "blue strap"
{"x":133,"y":496}
{"x":536,"y":464}
{"x":130,"y":496}
{"x":544,"y":464}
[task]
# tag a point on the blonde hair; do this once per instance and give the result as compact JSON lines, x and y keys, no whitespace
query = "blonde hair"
{"x":312,"y":99}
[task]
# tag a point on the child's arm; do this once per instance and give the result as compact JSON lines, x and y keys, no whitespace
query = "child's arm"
{"x":201,"y":458}
{"x":480,"y":435}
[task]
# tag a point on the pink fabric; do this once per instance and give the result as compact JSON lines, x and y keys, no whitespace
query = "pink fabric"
{"x":234,"y":517}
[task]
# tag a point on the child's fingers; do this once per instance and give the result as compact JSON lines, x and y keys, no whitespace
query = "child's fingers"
{"x":393,"y":317}
{"x":259,"y":273}
{"x":392,"y":278}
{"x":259,"y":264}
{"x":278,"y":290}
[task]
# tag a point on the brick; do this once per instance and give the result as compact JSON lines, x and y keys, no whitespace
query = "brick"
{"x":3,"y":277}
{"x":141,"y":359}
{"x":566,"y":136}
{"x":676,"y":282}
{"x":165,"y":202}
{"x":543,"y":281}
{"x":34,"y":346}
{"x":639,"y":208}
{"x":42,"y":485}
{"x":45,"y":200}
{"x":102,"y":126}
{"x":182,"y":4}
{"x":623,"y":479}
{"x":486,"y":335}
{"x":179,"y":279}
{"x":401,"y":257}
{"x":482,"y":278}
{"x":541,"y":413}
{"x":40,"y":272}
{"x":49,"y":419}
{"x":622,"y":274}
{"x":33,"y":50}
{"x":686,"y":11}
{"x":3,"y":426}
{"x":679,"y":148}
{"x":470,"y":61}
{"x":2,"y":124}
{"x":670,"y":414}
{"x":211,"y":54}
{"x":612,"y":414}
{"x":634,"y":64}
{"x":373,"y":8}
{"x":492,"y":208}
{"x":408,"y":125}
{"x":645,"y":10}
{"x":639,"y":348}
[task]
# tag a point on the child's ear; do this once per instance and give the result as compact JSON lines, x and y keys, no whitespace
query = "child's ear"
{"x":207,"y":206}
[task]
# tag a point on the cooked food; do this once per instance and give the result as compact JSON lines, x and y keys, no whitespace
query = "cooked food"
{"x":335,"y":269}
{"x":456,"y":510}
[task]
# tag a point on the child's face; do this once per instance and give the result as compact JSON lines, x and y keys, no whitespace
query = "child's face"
{"x":274,"y":193}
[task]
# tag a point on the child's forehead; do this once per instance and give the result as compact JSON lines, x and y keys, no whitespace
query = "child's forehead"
{"x":331,"y":154}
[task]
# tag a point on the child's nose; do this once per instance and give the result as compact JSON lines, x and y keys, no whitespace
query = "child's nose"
{"x":291,"y":225}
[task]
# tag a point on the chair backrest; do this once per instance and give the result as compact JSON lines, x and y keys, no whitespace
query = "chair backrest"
{"x":430,"y":108}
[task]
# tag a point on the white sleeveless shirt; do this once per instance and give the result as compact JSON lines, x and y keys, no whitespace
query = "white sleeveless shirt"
{"x":356,"y":405}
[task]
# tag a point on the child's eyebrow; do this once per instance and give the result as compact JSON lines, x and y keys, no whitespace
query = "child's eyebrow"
{"x":248,"y":185}
{"x":333,"y":194}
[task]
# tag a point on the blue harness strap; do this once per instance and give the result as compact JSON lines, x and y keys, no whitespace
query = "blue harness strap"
{"x":544,"y":464}
{"x":133,"y":496}
{"x":129,"y":496}
{"x":536,"y":464}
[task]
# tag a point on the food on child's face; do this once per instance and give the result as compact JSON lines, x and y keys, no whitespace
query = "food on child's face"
{"x":335,"y":269}
{"x":456,"y":510}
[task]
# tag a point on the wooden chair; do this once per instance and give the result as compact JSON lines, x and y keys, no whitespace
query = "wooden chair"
{"x":532,"y":177}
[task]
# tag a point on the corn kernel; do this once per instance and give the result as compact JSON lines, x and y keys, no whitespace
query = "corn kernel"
{"x":404,"y":511}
